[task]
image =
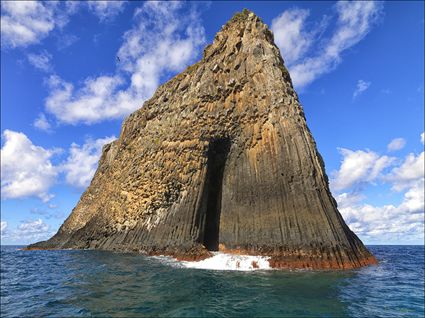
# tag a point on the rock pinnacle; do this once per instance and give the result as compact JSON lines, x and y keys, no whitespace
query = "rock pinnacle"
{"x":219,"y":159}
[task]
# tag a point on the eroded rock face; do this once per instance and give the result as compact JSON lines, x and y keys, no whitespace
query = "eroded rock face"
{"x":219,"y":158}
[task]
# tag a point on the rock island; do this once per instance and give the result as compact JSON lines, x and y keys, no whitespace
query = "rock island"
{"x":219,"y":159}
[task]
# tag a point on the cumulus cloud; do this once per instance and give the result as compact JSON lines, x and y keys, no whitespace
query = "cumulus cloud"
{"x":396,"y":144}
{"x":26,"y":169}
{"x":28,"y":22}
{"x":347,"y":199}
{"x":290,"y":34}
{"x":42,"y":123}
{"x":407,"y":174}
{"x":160,"y":43}
{"x":27,"y":232}
{"x":3,"y":227}
{"x":25,"y":22}
{"x":414,"y":197}
{"x":98,"y":99}
{"x":41,"y":61}
{"x":106,"y":10}
{"x":423,"y":138}
{"x":360,"y":88}
{"x":315,"y":55}
{"x":358,"y":167}
{"x":33,"y":230}
{"x":82,"y":162}
{"x":389,"y":223}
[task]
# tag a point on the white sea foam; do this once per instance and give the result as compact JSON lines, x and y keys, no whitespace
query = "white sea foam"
{"x":222,"y":261}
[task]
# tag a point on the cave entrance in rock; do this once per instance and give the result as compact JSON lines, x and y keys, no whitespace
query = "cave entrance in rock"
{"x":218,"y":151}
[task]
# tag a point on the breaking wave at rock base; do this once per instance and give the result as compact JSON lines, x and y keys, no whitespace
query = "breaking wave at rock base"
{"x":223,"y":262}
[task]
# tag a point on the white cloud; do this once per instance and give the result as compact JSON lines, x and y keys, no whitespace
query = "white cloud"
{"x":40,"y":61}
{"x":28,"y":232}
{"x":33,"y":230}
{"x":290,"y":35}
{"x":414,"y":197}
{"x":42,"y":123}
{"x":98,"y":99}
{"x":346,"y":199}
{"x":66,"y":40}
{"x":82,"y":161}
{"x":408,"y":173}
{"x":159,"y":43}
{"x":106,"y":10}
{"x":396,"y":144}
{"x":358,"y":167}
{"x":389,"y":224}
{"x":3,"y":227}
{"x":423,"y":138}
{"x":360,"y":88}
{"x":26,"y":22}
{"x":354,"y":21}
{"x":25,"y":168}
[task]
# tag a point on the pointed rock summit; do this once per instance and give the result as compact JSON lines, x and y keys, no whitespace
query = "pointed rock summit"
{"x":220,"y":158}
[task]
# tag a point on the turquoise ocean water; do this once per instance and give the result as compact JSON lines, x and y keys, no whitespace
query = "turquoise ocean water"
{"x":106,"y":284}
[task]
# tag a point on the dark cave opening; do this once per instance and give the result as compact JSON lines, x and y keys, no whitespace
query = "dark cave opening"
{"x":218,"y":151}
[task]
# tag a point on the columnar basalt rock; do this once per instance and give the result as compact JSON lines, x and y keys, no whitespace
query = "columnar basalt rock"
{"x":220,"y":158}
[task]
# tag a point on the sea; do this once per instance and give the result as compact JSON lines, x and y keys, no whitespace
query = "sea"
{"x":80,"y":283}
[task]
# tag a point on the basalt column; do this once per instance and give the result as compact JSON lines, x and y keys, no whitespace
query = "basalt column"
{"x":220,"y":158}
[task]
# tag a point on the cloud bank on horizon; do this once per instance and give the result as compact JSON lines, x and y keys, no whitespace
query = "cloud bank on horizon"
{"x":404,"y":221}
{"x":164,"y":38}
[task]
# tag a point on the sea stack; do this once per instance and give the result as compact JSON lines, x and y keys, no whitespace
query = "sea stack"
{"x":219,"y":159}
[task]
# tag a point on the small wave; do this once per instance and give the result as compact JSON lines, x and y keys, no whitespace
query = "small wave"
{"x":223,"y":261}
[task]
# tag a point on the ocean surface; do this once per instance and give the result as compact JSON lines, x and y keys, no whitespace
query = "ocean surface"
{"x":96,"y":283}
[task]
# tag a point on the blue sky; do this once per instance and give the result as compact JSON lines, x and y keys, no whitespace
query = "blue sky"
{"x":358,"y":68}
